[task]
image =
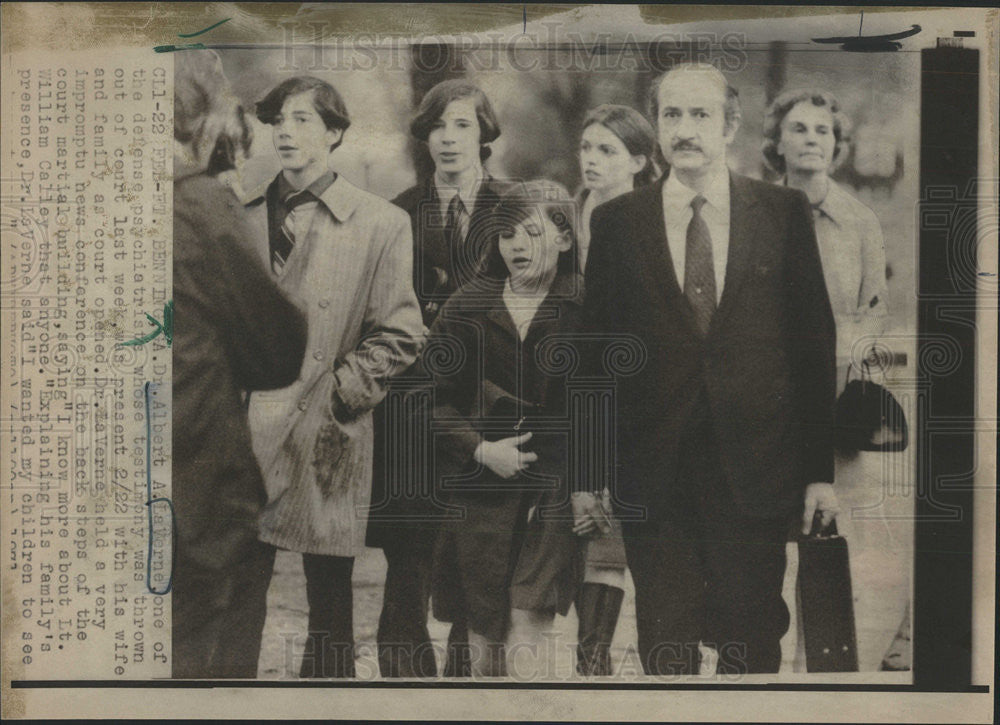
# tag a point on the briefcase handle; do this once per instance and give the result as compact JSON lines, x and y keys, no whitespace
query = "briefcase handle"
{"x":830,"y":532}
{"x":871,"y":358}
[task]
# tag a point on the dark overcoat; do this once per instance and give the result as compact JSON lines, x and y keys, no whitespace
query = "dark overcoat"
{"x":513,"y":544}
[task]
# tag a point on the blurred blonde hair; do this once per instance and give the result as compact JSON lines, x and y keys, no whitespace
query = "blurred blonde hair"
{"x":205,"y":109}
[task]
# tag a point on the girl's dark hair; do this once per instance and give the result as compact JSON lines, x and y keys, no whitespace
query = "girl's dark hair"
{"x":788,"y":100}
{"x":326,"y":100}
{"x":633,"y":130}
{"x":547,"y":197}
{"x":435,"y":102}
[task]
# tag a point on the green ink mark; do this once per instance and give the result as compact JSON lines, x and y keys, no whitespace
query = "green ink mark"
{"x":172,"y":48}
{"x":191,"y":35}
{"x":167,"y":328}
{"x":187,"y":46}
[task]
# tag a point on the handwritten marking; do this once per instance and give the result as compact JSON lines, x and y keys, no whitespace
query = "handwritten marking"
{"x":150,"y":501}
{"x":524,"y":18}
{"x":191,"y":35}
{"x":174,"y":48}
{"x":187,"y":46}
{"x":167,"y":328}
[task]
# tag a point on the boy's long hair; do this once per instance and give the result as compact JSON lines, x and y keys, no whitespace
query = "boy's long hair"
{"x":326,"y":100}
{"x":434,"y":103}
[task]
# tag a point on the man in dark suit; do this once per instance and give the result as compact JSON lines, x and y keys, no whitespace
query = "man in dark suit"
{"x":725,"y":432}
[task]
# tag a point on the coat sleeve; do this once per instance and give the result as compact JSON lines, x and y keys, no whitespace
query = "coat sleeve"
{"x":873,"y":302}
{"x":599,"y":316}
{"x":599,"y":301}
{"x":811,"y":339}
{"x":264,"y":332}
{"x":456,"y":385}
{"x":393,"y":331}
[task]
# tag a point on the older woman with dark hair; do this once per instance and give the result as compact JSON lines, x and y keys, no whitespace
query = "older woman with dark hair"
{"x":236,"y":333}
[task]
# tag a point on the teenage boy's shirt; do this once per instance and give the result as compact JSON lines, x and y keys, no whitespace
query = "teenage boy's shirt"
{"x":279,"y":198}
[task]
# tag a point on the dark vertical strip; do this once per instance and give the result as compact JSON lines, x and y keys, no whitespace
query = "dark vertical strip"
{"x":942,"y":635}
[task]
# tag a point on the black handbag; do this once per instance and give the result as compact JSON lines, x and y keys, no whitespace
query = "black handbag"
{"x":868,"y":417}
{"x":826,"y":602}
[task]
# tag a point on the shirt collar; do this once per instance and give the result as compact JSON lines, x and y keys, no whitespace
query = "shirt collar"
{"x":317,"y":188}
{"x":836,"y":205}
{"x":335,"y":192}
{"x":565,"y":287}
{"x":468,"y":198}
{"x":677,"y":196}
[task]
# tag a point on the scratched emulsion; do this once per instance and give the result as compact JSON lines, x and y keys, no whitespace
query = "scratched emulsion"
{"x":113,"y":24}
{"x":86,"y":212}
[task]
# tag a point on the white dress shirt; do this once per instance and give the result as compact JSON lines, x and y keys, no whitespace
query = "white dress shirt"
{"x":677,"y":213}
{"x":522,"y":307}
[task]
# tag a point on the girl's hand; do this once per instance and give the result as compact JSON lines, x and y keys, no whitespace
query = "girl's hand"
{"x":586,"y":518}
{"x":503,"y":457}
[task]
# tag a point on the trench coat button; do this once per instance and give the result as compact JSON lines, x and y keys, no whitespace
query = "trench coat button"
{"x":324,"y":303}
{"x":318,"y":355}
{"x":303,"y":405}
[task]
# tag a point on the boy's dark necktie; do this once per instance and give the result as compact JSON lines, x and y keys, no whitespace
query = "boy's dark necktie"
{"x":456,"y":228}
{"x":284,"y":241}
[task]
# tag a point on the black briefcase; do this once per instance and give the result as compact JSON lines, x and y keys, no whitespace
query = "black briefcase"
{"x":827,"y":603}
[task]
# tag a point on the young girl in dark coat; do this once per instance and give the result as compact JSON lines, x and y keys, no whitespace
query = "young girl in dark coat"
{"x":512,"y":561}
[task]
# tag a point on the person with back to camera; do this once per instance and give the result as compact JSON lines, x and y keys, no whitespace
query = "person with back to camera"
{"x":449,"y":215}
{"x":617,"y":146}
{"x":235,"y":331}
{"x":512,"y":561}
{"x":345,"y":255}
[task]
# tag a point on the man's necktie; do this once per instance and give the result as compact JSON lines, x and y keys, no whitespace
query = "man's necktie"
{"x":699,"y":271}
{"x":285,"y":240}
{"x":455,"y":231}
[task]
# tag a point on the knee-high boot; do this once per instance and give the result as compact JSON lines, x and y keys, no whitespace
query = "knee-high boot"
{"x":597,"y":607}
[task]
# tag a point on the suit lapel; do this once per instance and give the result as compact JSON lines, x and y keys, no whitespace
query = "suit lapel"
{"x":743,"y":226}
{"x":659,"y":263}
{"x":428,"y":227}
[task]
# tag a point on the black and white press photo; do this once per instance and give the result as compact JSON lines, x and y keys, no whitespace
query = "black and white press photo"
{"x":590,"y":354}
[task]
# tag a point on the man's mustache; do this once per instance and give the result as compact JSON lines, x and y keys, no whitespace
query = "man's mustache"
{"x":685,"y":146}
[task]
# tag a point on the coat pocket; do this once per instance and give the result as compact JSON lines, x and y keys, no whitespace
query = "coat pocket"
{"x":339,"y":452}
{"x":328,"y":451}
